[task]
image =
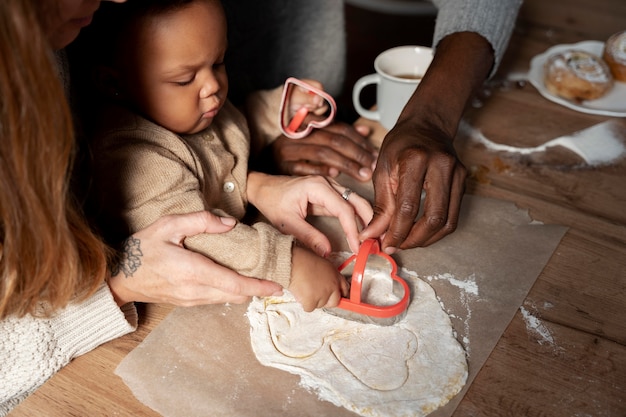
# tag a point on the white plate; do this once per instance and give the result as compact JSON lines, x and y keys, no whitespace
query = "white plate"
{"x":612,"y":104}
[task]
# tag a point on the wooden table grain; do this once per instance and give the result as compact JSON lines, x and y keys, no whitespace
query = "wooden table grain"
{"x":564,"y":353}
{"x":572,"y":361}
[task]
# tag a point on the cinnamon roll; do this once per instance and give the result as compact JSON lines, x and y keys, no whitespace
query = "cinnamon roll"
{"x":577,"y":75}
{"x":615,"y":55}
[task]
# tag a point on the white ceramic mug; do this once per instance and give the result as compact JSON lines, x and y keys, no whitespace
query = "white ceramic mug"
{"x":398,"y":72}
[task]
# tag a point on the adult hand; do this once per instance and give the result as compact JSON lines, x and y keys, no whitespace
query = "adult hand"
{"x":414,"y":158}
{"x":330,"y":151}
{"x":287,"y":201}
{"x":156,"y":268}
{"x":417,"y":154}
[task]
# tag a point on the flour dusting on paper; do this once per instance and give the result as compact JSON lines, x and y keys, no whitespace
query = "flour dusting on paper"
{"x":408,"y":369}
{"x":467,"y":285}
{"x":468,"y":294}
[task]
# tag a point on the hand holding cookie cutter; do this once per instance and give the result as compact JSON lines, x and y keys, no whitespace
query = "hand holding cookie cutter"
{"x":295,"y":127}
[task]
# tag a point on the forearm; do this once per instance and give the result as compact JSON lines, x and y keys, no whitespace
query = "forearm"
{"x":261,"y":109}
{"x":461,"y":64}
{"x":494,"y":20}
{"x":257,"y":251}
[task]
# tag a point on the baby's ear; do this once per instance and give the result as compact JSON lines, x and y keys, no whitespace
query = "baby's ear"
{"x":106,"y":81}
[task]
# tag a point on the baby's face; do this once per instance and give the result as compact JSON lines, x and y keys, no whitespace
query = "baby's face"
{"x":176,"y":74}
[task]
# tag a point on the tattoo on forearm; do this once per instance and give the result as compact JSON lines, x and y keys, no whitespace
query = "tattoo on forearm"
{"x":129,"y":259}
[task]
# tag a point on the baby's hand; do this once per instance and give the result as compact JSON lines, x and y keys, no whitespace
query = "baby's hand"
{"x":300,"y":97}
{"x":315,"y":282}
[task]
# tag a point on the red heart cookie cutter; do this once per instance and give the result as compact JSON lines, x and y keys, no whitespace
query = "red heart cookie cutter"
{"x":355,"y":303}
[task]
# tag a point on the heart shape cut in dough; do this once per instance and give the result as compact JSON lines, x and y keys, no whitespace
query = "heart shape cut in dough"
{"x":378,"y":356}
{"x":289,"y":336}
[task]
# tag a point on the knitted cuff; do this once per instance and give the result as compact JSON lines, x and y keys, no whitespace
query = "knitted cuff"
{"x":83,"y":326}
{"x":492,"y":19}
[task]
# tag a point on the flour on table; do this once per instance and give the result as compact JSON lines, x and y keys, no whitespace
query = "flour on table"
{"x":408,"y":369}
{"x":600,"y":144}
{"x":536,"y":326}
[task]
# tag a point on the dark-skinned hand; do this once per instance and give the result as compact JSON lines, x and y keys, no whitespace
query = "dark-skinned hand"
{"x":338,"y":148}
{"x":414,"y":159}
{"x":417,"y":155}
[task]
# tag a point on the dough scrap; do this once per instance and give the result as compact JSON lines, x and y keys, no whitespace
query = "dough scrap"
{"x":408,"y":369}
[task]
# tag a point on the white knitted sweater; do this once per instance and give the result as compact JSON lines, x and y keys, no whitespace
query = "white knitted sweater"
{"x":34,"y":349}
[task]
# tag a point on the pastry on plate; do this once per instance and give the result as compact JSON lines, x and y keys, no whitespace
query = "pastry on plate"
{"x":615,"y":55}
{"x":577,"y":75}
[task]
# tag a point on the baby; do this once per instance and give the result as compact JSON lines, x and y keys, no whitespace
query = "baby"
{"x":168,"y":141}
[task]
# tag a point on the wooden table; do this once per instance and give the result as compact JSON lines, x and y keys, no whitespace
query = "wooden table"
{"x":579,"y":298}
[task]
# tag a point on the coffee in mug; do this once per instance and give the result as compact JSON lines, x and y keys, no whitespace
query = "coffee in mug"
{"x":398,"y":72}
{"x":408,"y":76}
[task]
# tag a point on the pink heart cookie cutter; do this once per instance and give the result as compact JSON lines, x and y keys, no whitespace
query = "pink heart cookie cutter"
{"x":293,"y":127}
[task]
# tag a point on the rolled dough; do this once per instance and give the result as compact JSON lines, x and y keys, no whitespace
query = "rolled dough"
{"x":408,"y":369}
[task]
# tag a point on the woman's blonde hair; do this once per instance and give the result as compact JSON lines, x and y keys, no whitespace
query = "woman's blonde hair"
{"x":48,"y":254}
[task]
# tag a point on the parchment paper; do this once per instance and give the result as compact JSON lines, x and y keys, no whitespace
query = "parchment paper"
{"x":198,"y":361}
